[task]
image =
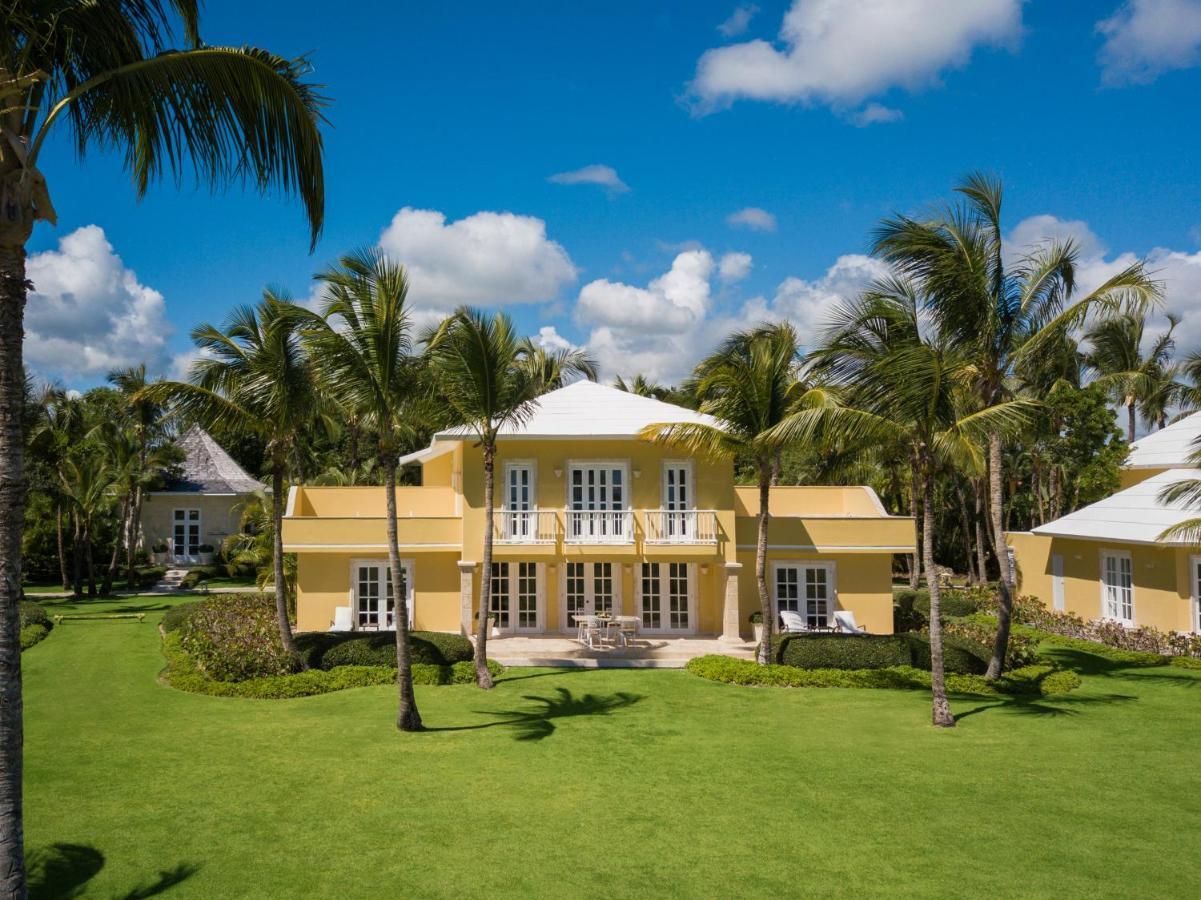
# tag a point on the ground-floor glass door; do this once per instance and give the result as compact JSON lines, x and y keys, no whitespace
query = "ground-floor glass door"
{"x":589,"y":588}
{"x":806,"y":589}
{"x":516,"y":597}
{"x":185,"y":535}
{"x":374,"y":597}
{"x":665,"y":597}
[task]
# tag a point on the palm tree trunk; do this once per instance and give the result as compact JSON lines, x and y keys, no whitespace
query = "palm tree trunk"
{"x":483,"y":677}
{"x":1131,"y":421}
{"x":1005,"y":585}
{"x":91,"y":558}
{"x":966,"y":518}
{"x":62,"y":548}
{"x":114,"y":563}
{"x":1055,"y":491}
{"x":131,"y":539}
{"x":981,"y":543}
{"x":769,"y":616}
{"x":407,"y":716}
{"x":277,"y":561}
{"x":77,"y":559}
{"x":915,"y":563}
{"x":940,"y":708}
{"x":13,"y":286}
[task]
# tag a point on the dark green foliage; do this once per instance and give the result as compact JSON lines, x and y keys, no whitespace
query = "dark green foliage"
{"x":235,"y":637}
{"x":953,"y":603}
{"x":33,"y":614}
{"x":959,"y":655}
{"x":904,"y":616}
{"x":174,"y":618}
{"x":149,"y":576}
{"x":32,"y":634}
{"x":327,"y":650}
{"x":878,"y":651}
{"x":197,"y":574}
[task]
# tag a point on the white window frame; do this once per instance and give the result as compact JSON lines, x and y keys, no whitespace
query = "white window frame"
{"x":623,"y":464}
{"x":1194,"y":562}
{"x":565,"y":623}
{"x":187,"y":511}
{"x":1058,"y":592}
{"x":831,"y":569}
{"x":406,"y":563}
{"x":664,"y":574}
{"x":540,"y":595}
{"x":1105,"y":555}
{"x":690,"y":482}
{"x":530,"y":464}
{"x":527,"y":530}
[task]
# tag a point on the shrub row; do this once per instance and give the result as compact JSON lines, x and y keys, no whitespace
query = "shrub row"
{"x":149,"y":576}
{"x":181,"y":673}
{"x":174,"y":617}
{"x":327,"y":650}
{"x":197,"y":574}
{"x":911,"y":609}
{"x":1032,"y":680}
{"x":235,"y":637}
{"x":31,"y":613}
{"x":878,"y":651}
{"x":982,"y":631}
{"x":33,"y":634}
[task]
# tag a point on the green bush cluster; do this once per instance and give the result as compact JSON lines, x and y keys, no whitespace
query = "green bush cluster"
{"x":878,"y":651}
{"x":33,"y":634}
{"x":1131,"y":658}
{"x":149,"y":576}
{"x":174,"y":618}
{"x":326,"y":650}
{"x":31,"y":613}
{"x":197,"y":574}
{"x":181,"y":673}
{"x":1186,"y":662}
{"x":1032,"y":680}
{"x":904,"y":616}
{"x":235,"y":637}
{"x":911,"y":609}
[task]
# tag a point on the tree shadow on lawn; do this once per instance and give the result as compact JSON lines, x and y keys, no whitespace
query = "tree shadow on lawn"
{"x":1054,"y":707}
{"x":537,"y":724}
{"x":61,"y":871}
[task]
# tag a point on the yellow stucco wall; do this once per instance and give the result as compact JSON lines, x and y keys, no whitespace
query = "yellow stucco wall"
{"x":218,"y":516}
{"x":1161,"y":576}
{"x":1131,"y":477}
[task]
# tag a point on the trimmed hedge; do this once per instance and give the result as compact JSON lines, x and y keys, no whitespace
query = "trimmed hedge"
{"x":1185,"y":662}
{"x":181,"y":673}
{"x":149,"y":576}
{"x":197,"y":574}
{"x":878,"y":651}
{"x":174,"y":618}
{"x":235,"y":637}
{"x":33,"y":634}
{"x":327,"y":650}
{"x":1030,"y":681}
{"x":31,"y":613}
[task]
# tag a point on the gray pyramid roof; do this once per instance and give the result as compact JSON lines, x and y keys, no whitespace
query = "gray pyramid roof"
{"x":208,"y":469}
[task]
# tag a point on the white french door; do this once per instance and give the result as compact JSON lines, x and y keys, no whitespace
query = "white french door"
{"x":666,"y":597}
{"x":589,"y":588}
{"x":597,"y":501}
{"x":516,"y":596}
{"x":677,"y":499}
{"x":185,"y":535}
{"x":520,"y":524}
{"x":1057,"y":594}
{"x":805,"y":588}
{"x":1117,"y":587}
{"x":374,"y":599}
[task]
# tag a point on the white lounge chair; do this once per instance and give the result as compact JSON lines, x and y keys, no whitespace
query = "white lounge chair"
{"x":846,"y":622}
{"x":342,"y":619}
{"x":794,"y":622}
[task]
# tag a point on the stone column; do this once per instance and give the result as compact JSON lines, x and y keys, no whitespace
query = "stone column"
{"x":466,"y":594}
{"x":731,"y":626}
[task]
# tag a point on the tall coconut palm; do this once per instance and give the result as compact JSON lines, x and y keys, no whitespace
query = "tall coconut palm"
{"x":61,"y":423}
{"x":749,"y":385}
{"x":108,"y":75}
{"x":362,"y":347}
{"x":1133,"y":377}
{"x":253,"y":378}
{"x":554,"y":368}
{"x":999,"y":312}
{"x":86,"y":483}
{"x":480,"y":369}
{"x":902,"y":385}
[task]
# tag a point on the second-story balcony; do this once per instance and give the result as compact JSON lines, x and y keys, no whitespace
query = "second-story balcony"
{"x":600,"y":526}
{"x":535,"y":526}
{"x":681,"y":526}
{"x":606,"y":526}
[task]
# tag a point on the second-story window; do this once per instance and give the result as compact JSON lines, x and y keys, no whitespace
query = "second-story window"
{"x":677,"y":499}
{"x":597,"y":497}
{"x":519,"y":501}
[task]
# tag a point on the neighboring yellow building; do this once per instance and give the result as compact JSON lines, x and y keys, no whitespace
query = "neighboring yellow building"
{"x":1106,"y":561}
{"x":589,"y":518}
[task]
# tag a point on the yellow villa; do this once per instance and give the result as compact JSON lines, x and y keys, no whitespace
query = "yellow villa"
{"x":1106,"y":561}
{"x":589,"y":519}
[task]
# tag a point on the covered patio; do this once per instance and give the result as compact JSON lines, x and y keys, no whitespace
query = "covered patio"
{"x":648,"y":652}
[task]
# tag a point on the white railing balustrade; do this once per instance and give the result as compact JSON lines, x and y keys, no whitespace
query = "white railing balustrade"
{"x":600,"y":526}
{"x":681,"y":526}
{"x":535,"y":526}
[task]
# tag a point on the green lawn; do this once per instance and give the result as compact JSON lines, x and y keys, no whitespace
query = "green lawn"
{"x":617,"y":783}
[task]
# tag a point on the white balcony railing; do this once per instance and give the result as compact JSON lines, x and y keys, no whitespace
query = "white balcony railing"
{"x":683,"y":526}
{"x":535,"y":526}
{"x":604,"y":526}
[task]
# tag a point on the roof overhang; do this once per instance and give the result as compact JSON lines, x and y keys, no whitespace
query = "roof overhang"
{"x":438,"y":447}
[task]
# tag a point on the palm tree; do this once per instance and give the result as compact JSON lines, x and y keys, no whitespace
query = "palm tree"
{"x":107,"y":73}
{"x":1001,"y":313}
{"x":1131,"y":377}
{"x":642,"y":386}
{"x":254,"y":378}
{"x":86,"y":484}
{"x":60,"y":424}
{"x":481,"y":369}
{"x":905,"y":386}
{"x":254,"y":544}
{"x":749,"y":385}
{"x":554,"y":368}
{"x":363,"y":349}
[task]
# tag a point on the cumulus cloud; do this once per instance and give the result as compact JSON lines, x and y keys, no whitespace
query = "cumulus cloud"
{"x":807,"y":304}
{"x":840,"y":52}
{"x":1145,"y":38}
{"x":89,"y":314}
{"x":876,"y":114}
{"x":485,"y":259}
{"x":739,"y":21}
{"x":605,"y":176}
{"x":752,"y":217}
{"x":549,"y":339}
{"x":673,"y":302}
{"x":734,"y":267}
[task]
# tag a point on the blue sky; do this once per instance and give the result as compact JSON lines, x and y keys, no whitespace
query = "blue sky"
{"x":824,"y":114}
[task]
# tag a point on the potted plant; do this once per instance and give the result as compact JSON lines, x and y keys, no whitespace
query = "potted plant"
{"x":159,"y":553}
{"x":205,"y":553}
{"x":756,"y":620}
{"x":493,"y":631}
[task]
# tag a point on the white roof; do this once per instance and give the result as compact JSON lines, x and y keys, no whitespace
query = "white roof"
{"x":1133,"y":516}
{"x":1171,"y":446}
{"x":585,"y":409}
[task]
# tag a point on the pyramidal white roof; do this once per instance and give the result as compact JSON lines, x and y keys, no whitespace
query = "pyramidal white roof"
{"x":1134,"y":516}
{"x":585,"y":409}
{"x":1171,"y":446}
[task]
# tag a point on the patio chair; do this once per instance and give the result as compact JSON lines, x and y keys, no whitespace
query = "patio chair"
{"x":846,"y":623}
{"x":594,"y":631}
{"x":627,"y":630}
{"x":793,"y":622}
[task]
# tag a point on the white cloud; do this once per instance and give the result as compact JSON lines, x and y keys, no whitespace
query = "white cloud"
{"x":739,"y":21}
{"x":89,"y":314}
{"x":1145,"y":38}
{"x":809,"y":304}
{"x":485,"y":259}
{"x":840,"y":52}
{"x":876,"y":114}
{"x":672,"y":303}
{"x":549,"y":339}
{"x":734,"y":267}
{"x":605,"y":176}
{"x":752,"y":217}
